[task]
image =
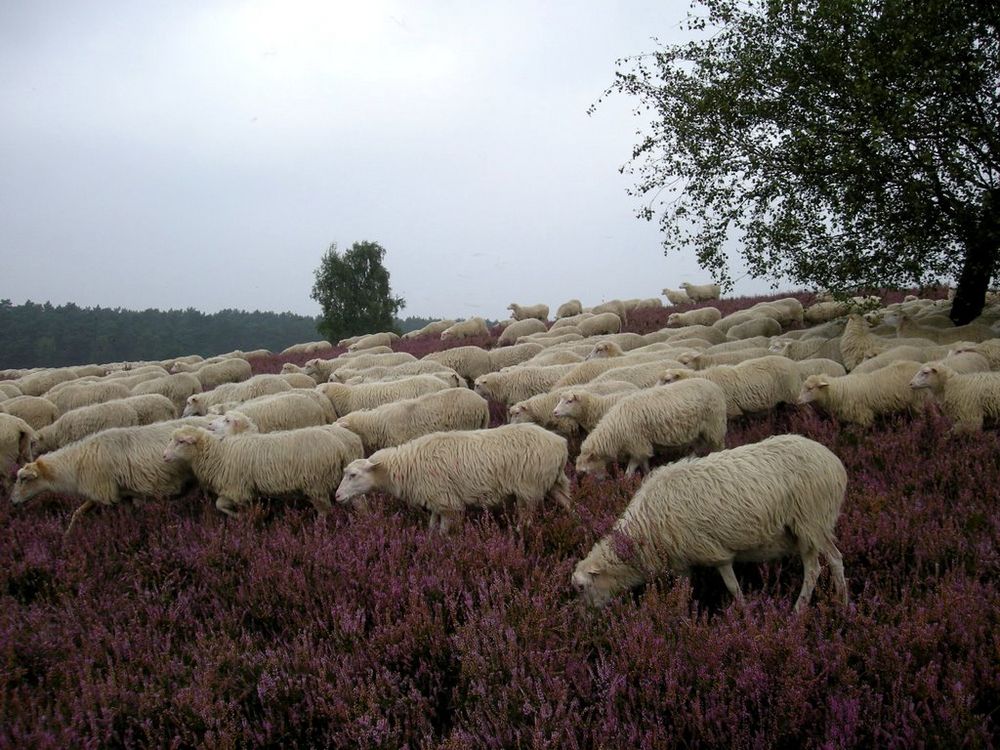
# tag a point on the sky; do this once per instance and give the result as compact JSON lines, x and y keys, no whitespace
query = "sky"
{"x":206,"y":154}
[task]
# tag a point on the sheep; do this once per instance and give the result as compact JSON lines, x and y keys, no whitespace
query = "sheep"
{"x":702,"y":292}
{"x":755,"y":328}
{"x":989,"y":349}
{"x":309,"y":461}
{"x":37,"y":383}
{"x":233,"y":422}
{"x":383,"y":338}
{"x":898,"y":354}
{"x":376,"y":372}
{"x":701,"y":361}
{"x":520,"y":328}
{"x":298,"y":380}
{"x":627,"y":341}
{"x":566,"y":309}
{"x":603,"y":323}
{"x":676,"y":416}
{"x":965,"y":363}
{"x":676,"y":297}
{"x":284,"y":411}
{"x":465,"y":329}
{"x":584,"y":408}
{"x":556,"y":356}
{"x":859,"y":398}
{"x":819,"y":366}
{"x":106,"y":466}
{"x":858,"y":344}
{"x":965,"y":399}
{"x":821,"y":312}
{"x":754,"y":342}
{"x":562,"y":336}
{"x":781,"y":496}
{"x":785,"y":311}
{"x":228,"y":371}
{"x":605,"y":350}
{"x":711,"y":334}
{"x":78,"y":423}
{"x":539,"y":409}
{"x":751,"y":387}
{"x":259,"y":385}
{"x":517,"y":354}
{"x":468,"y":361}
{"x":615,"y":306}
{"x":813,"y":348}
{"x":151,"y":407}
{"x":348,"y":398}
{"x":519,"y":383}
{"x":309,"y":347}
{"x":37,"y":411}
{"x":347,"y":341}
{"x":644,"y":375}
{"x":523,"y":312}
{"x":9,"y":390}
{"x":176,"y":387}
{"x":972,"y":332}
{"x":401,"y":421}
{"x":446,"y":472}
{"x":704,"y":316}
{"x":16,"y":437}
{"x":431,"y":329}
{"x":571,"y":320}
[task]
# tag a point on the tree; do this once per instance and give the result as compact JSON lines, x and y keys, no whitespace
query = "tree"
{"x":846,"y":143}
{"x":353,"y":290}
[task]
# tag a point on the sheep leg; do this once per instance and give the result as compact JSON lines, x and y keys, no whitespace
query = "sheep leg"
{"x":321,"y":503}
{"x":836,"y":562}
{"x":77,"y":513}
{"x":227,"y":505}
{"x":434,"y":522}
{"x":729,"y":578}
{"x":450,"y":519}
{"x":560,"y":493}
{"x":634,"y":463}
{"x":810,"y":563}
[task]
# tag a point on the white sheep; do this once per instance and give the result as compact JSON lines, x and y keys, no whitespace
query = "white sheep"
{"x":446,"y":472}
{"x":554,"y":356}
{"x":819,"y":366}
{"x":517,"y":354}
{"x":227,"y":371}
{"x":539,"y":409}
{"x":989,"y":349}
{"x":465,"y":329}
{"x":520,"y":328}
{"x":523,"y":312}
{"x":603,"y":323}
{"x":702,"y":292}
{"x":259,"y":385}
{"x":309,"y":347}
{"x":383,"y":338}
{"x":971,"y":332}
{"x":233,"y":422}
{"x":779,"y":497}
{"x":821,"y":312}
{"x":79,"y":394}
{"x":701,"y":361}
{"x":37,"y":383}
{"x":309,"y":461}
{"x":16,"y":437}
{"x":751,"y":387}
{"x":519,"y":383}
{"x":965,"y":399}
{"x":585,"y":408}
{"x":550,"y":339}
{"x":711,"y":334}
{"x":151,"y":407}
{"x":9,"y":390}
{"x":615,"y":306}
{"x":176,"y":387}
{"x":348,"y":398}
{"x":679,"y":416}
{"x":704,"y":316}
{"x":324,"y":370}
{"x":571,"y":320}
{"x":676,"y":297}
{"x":77,"y":424}
{"x":37,"y":411}
{"x":468,"y":361}
{"x":284,"y":411}
{"x":899,"y":354}
{"x":755,"y":328}
{"x":401,"y":421}
{"x":811,"y":348}
{"x":431,"y":329}
{"x":754,"y":342}
{"x":377,"y":372}
{"x":567,"y":309}
{"x":859,"y":398}
{"x":965,"y":363}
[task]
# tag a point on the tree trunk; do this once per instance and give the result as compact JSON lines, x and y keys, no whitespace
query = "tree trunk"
{"x":981,"y":252}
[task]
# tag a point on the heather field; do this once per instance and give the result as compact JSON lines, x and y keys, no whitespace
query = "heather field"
{"x":167,"y":624}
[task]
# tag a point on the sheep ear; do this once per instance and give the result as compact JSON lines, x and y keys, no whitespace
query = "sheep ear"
{"x":24,"y":445}
{"x":823,"y":384}
{"x":593,"y":571}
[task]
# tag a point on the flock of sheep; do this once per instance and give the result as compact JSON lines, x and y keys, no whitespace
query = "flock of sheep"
{"x":372,"y":419}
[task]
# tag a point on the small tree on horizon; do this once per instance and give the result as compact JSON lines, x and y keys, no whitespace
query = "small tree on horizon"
{"x":354,"y":293}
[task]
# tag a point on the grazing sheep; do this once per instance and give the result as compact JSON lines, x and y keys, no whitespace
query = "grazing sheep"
{"x":819,"y":366}
{"x":539,"y":409}
{"x":754,"y":328}
{"x":309,"y":461}
{"x":751,"y":387}
{"x":710,"y":334}
{"x":781,"y":496}
{"x":106,"y":466}
{"x":513,"y":355}
{"x":298,"y":380}
{"x":583,"y":407}
{"x":965,"y":399}
{"x":37,"y":411}
{"x":754,"y":342}
{"x":401,"y":421}
{"x":260,"y":385}
{"x":38,"y":383}
{"x":228,"y":371}
{"x":602,"y":323}
{"x":16,"y":437}
{"x":348,"y":398}
{"x":9,"y":390}
{"x":702,"y":292}
{"x":468,"y":361}
{"x":785,"y":311}
{"x":703,"y":316}
{"x":377,"y":372}
{"x":971,"y":332}
{"x":812,"y":348}
{"x":965,"y":363}
{"x":821,"y":312}
{"x":676,"y":416}
{"x":176,"y":387}
{"x":446,"y":472}
{"x":332,"y":367}
{"x":383,"y":338}
{"x":615,"y":306}
{"x":151,"y":407}
{"x":567,"y":309}
{"x":859,"y":398}
{"x":309,"y":347}
{"x":284,"y":411}
{"x":431,"y":329}
{"x":520,"y":328}
{"x":676,"y":297}
{"x":555,"y":356}
{"x":899,"y":354}
{"x":523,"y":312}
{"x":701,"y":361}
{"x":77,"y":424}
{"x":989,"y":349}
{"x":571,"y":321}
{"x":644,"y":375}
{"x":519,"y":383}
{"x":465,"y":329}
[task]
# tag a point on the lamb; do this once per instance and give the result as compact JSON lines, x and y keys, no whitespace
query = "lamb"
{"x":285,"y":411}
{"x":704,"y":316}
{"x":567,"y":309}
{"x":755,"y":327}
{"x":468,"y":361}
{"x":228,"y":371}
{"x":539,"y":409}
{"x":600,"y":324}
{"x":446,"y":472}
{"x":465,"y":329}
{"x":615,"y":306}
{"x":77,"y":424}
{"x":431,"y":329}
{"x":16,"y":437}
{"x":9,"y":390}
{"x":151,"y":407}
{"x":676,"y":297}
{"x":520,"y":328}
{"x":676,"y":416}
{"x":751,"y":387}
{"x":523,"y":312}
{"x":309,"y":461}
{"x":37,"y":411}
{"x":584,"y":408}
{"x":175,"y":387}
{"x":965,"y":399}
{"x":259,"y":385}
{"x":519,"y":383}
{"x":758,"y":502}
{"x":399,"y":422}
{"x":702,"y":292}
{"x":383,"y":338}
{"x":348,"y":398}
{"x":106,"y":466}
{"x":701,"y":361}
{"x":859,"y":398}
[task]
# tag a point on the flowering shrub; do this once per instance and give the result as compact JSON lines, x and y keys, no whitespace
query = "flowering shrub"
{"x":167,"y":624}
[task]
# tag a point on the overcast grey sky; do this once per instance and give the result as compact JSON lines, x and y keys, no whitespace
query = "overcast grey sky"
{"x":205,"y":154}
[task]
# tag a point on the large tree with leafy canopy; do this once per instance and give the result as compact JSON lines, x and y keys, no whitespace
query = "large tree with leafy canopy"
{"x":353,"y":291}
{"x":843,"y":143}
